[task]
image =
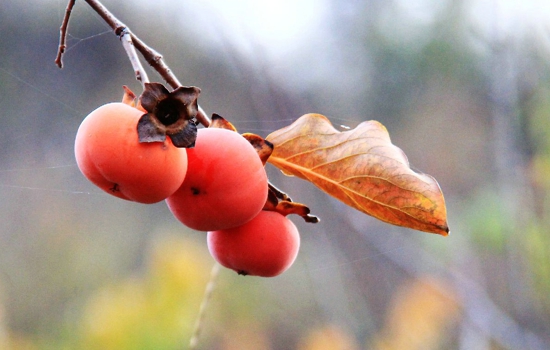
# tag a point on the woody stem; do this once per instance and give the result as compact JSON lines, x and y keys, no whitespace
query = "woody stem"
{"x":130,"y":41}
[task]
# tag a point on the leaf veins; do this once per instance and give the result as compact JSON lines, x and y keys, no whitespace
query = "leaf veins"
{"x":363,"y":169}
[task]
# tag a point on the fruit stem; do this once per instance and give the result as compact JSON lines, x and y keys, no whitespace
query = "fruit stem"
{"x":153,"y":58}
{"x":206,"y":298}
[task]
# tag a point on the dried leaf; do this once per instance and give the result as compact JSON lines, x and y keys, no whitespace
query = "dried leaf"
{"x":363,"y":169}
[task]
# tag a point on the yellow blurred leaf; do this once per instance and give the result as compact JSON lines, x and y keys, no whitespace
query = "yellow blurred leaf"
{"x":363,"y":169}
{"x":155,"y":309}
{"x":245,"y":335}
{"x":420,"y":316}
{"x":328,"y":338}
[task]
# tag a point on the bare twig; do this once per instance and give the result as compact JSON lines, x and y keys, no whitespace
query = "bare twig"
{"x":207,"y":295}
{"x":202,"y":117}
{"x":153,"y":58}
{"x":128,"y":45}
{"x":63,"y":34}
{"x":156,"y":61}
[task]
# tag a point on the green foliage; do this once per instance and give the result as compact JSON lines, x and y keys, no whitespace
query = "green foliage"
{"x":489,"y":221}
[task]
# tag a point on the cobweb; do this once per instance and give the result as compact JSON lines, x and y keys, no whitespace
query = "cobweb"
{"x":62,"y":239}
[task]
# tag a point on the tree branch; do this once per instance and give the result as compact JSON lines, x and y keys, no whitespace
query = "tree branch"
{"x":156,"y":61}
{"x":63,"y":34}
{"x":130,"y":41}
{"x":128,"y":45}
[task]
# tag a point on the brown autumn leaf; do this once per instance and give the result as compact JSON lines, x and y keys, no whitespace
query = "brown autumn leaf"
{"x":363,"y":169}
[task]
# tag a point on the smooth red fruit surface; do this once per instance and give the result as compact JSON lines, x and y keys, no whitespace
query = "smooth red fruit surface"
{"x":225,"y":185}
{"x":109,"y":154}
{"x":266,"y":246}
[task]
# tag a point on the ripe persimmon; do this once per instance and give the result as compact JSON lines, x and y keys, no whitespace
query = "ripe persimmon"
{"x":226,"y":183}
{"x":265,"y":246}
{"x":110,"y":155}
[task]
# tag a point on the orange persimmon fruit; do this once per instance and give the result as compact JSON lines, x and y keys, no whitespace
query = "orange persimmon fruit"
{"x":226,"y":183}
{"x":110,"y":155}
{"x":265,"y":246}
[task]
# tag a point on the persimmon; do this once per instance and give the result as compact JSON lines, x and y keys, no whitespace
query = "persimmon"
{"x":226,"y":183}
{"x":110,"y":155}
{"x":266,"y":246}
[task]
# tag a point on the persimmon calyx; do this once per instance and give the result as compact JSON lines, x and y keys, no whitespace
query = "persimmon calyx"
{"x":263,"y":147}
{"x":169,"y":114}
{"x":217,"y":121}
{"x":281,"y":203}
{"x":129,"y":97}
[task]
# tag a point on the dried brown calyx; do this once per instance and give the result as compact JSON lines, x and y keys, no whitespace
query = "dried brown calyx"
{"x":280,"y":202}
{"x":221,"y":123}
{"x":169,"y":114}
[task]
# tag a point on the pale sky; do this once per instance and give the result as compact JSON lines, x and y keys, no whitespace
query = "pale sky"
{"x":286,"y":33}
{"x":280,"y":24}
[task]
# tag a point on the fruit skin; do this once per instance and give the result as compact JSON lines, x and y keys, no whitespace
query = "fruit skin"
{"x":109,"y":154}
{"x":266,"y":246}
{"x":225,"y":185}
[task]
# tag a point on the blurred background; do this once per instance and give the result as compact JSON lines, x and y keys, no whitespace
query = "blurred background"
{"x":463,"y":88}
